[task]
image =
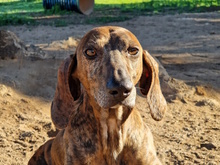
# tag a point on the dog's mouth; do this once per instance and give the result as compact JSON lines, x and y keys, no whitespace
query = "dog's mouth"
{"x":123,"y":104}
{"x":106,"y":100}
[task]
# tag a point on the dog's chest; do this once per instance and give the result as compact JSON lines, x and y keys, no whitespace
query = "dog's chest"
{"x":91,"y":142}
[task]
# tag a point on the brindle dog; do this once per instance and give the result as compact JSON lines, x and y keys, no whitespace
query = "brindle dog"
{"x":94,"y":103}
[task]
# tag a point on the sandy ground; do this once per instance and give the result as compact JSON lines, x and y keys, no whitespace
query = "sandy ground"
{"x":187,"y":45}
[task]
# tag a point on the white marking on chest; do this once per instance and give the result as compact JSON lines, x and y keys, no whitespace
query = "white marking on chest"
{"x":112,"y":132}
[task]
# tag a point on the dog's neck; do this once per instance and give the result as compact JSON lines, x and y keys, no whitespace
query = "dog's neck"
{"x":112,"y":127}
{"x":112,"y":131}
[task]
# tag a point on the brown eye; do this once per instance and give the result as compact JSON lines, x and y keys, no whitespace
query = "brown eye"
{"x":133,"y":50}
{"x":90,"y":52}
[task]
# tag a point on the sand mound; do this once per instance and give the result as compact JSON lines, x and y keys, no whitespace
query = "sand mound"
{"x":190,"y":130}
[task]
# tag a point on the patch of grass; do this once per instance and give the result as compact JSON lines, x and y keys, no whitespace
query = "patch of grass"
{"x":162,"y":5}
{"x":13,"y":19}
{"x":25,"y":11}
{"x":128,"y":9}
{"x":56,"y":9}
{"x":15,"y":12}
{"x":18,"y":12}
{"x":60,"y":23}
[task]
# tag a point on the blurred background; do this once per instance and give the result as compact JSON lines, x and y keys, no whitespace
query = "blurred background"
{"x":37,"y":11}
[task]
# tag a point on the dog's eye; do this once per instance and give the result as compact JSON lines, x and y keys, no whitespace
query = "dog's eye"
{"x":133,"y":50}
{"x":90,"y":52}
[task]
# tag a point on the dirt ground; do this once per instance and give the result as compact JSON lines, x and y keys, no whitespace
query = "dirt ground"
{"x":187,"y":45}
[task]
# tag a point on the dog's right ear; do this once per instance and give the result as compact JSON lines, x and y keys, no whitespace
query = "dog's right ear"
{"x":67,"y":93}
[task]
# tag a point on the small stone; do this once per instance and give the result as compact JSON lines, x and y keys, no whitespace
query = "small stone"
{"x":200,"y":91}
{"x":208,"y":146}
{"x":200,"y":103}
{"x":24,"y":101}
{"x":11,"y":46}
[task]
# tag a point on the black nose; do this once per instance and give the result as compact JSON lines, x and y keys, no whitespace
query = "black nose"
{"x":120,"y":90}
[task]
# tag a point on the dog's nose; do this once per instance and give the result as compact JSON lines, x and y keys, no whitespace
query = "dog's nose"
{"x":120,"y":90}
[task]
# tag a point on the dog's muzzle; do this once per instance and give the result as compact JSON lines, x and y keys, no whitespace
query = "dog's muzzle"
{"x":119,"y":90}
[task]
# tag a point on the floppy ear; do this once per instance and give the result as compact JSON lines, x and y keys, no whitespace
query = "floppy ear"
{"x":67,"y":93}
{"x":150,"y":86}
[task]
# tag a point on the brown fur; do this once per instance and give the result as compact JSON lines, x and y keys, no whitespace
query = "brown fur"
{"x":94,"y":103}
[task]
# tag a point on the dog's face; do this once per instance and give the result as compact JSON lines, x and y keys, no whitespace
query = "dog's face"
{"x":108,"y":62}
{"x":109,"y":65}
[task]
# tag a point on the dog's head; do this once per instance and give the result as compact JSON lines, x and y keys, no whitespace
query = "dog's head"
{"x":108,"y":63}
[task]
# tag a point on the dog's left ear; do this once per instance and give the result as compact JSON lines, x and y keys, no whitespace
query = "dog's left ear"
{"x":150,"y":86}
{"x":67,"y":95}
